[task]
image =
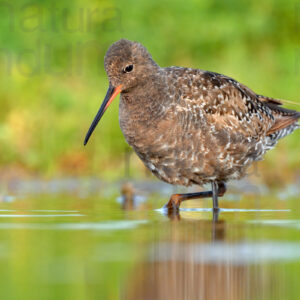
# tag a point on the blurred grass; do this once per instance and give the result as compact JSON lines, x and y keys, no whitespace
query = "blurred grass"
{"x":53,"y":81}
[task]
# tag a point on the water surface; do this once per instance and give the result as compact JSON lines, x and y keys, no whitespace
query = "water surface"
{"x":69,"y":246}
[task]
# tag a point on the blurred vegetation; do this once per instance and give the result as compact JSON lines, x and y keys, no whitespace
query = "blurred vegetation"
{"x":53,"y":80}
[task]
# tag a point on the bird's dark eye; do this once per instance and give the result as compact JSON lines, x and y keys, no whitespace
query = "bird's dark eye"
{"x":128,"y":69}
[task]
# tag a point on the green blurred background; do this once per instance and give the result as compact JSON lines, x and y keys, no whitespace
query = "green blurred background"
{"x":53,"y":80}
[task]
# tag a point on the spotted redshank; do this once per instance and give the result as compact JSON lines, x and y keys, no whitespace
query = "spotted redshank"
{"x":190,"y":126}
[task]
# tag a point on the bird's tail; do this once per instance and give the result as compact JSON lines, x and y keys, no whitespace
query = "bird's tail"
{"x":286,"y":121}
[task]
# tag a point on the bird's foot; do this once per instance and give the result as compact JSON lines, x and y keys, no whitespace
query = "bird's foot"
{"x":173,"y":204}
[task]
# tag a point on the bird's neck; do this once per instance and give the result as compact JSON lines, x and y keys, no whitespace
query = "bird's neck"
{"x":143,"y":107}
{"x":146,"y":101}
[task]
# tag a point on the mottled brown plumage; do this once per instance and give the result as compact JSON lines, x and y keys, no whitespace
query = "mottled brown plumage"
{"x":190,"y":126}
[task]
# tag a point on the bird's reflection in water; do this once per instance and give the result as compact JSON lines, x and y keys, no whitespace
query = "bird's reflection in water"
{"x":187,"y":261}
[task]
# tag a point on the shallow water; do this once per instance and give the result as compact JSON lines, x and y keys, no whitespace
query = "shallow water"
{"x":62,"y":246}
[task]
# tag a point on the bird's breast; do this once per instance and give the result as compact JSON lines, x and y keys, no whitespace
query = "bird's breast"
{"x":140,"y":126}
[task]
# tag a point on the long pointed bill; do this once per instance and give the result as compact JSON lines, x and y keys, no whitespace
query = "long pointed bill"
{"x":110,"y":95}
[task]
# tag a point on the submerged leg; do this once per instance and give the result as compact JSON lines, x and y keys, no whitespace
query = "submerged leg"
{"x":219,"y":189}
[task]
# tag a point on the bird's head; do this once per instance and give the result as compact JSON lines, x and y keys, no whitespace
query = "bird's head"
{"x":127,"y":64}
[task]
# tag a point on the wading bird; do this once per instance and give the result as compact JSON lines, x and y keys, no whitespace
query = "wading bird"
{"x":190,"y":126}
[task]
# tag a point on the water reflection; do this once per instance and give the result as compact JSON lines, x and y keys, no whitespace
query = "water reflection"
{"x":76,"y":246}
{"x":209,"y":259}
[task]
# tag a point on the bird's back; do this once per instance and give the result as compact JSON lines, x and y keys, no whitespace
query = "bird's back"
{"x":217,"y":100}
{"x":218,"y":126}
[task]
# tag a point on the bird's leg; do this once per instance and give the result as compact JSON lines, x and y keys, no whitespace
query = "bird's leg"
{"x":216,"y":215}
{"x":176,"y":199}
{"x":214,"y":187}
{"x":218,"y":190}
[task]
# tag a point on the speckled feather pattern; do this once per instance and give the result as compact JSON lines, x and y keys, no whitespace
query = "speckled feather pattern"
{"x":191,"y":126}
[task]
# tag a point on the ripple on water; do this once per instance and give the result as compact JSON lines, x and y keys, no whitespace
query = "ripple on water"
{"x":281,"y":223}
{"x":222,"y":252}
{"x":107,"y":225}
{"x":164,"y":210}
